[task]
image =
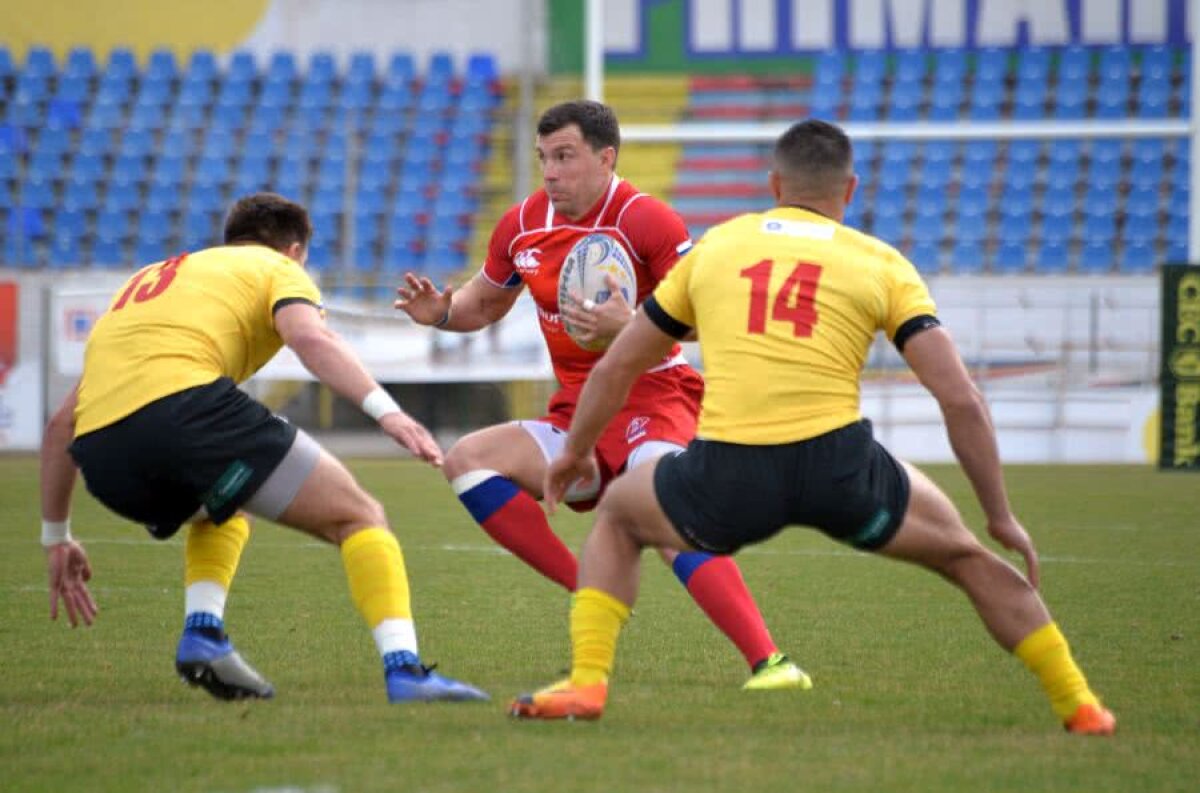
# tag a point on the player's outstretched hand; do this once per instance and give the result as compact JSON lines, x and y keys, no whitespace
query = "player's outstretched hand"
{"x":422,"y":301}
{"x":599,"y":321}
{"x":70,"y":571}
{"x":412,"y":435}
{"x":1012,"y":535}
{"x":564,"y":471}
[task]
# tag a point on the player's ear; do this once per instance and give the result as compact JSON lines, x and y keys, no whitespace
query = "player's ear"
{"x":775,"y":181}
{"x":851,"y":186}
{"x":608,"y":156}
{"x":297,"y":252}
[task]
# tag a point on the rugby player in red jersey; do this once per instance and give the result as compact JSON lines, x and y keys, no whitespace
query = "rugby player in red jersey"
{"x":497,"y":472}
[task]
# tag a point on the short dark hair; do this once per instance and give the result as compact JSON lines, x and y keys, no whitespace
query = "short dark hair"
{"x":596,"y":121}
{"x":268,"y":219}
{"x":816,"y":153}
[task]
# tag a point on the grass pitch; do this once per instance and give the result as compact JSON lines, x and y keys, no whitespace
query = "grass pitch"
{"x":910,"y":692}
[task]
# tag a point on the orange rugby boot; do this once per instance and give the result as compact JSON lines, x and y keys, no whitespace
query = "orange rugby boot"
{"x":561,"y":701}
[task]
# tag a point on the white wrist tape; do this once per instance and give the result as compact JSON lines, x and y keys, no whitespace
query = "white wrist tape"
{"x":55,"y":532}
{"x":379,"y":403}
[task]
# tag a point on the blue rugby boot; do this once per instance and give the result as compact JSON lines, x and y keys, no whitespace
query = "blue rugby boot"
{"x":408,"y":680}
{"x":206,"y":658}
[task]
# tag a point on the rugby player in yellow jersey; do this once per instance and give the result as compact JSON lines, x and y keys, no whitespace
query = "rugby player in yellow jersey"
{"x":786,"y":304}
{"x":163,"y":437}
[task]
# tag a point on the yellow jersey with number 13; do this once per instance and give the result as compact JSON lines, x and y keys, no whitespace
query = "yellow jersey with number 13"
{"x":186,"y":322}
{"x":786,"y":304}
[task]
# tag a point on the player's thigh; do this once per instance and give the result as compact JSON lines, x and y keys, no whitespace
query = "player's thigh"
{"x":932,"y":533}
{"x":631,"y":503}
{"x":507,"y":449}
{"x":649,"y":452}
{"x":328,"y":502}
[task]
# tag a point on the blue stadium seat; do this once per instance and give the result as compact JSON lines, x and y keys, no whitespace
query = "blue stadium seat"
{"x":1074,"y":65}
{"x":80,"y":195}
{"x":967,"y":257}
{"x":362,"y":68}
{"x":1071,"y":103}
{"x":926,"y":257}
{"x":320,"y":254}
{"x":1146,"y":174}
{"x":242,"y":68}
{"x":1055,"y":231}
{"x":161,"y":65}
{"x":1115,"y":63}
{"x":1143,"y":202}
{"x":38,"y":194}
{"x":1033,"y":64}
{"x":1058,"y":202}
{"x":830,"y":68}
{"x":1010,"y":258}
{"x":1104,"y":176}
{"x":112,"y":223}
{"x":1051,"y":258}
{"x":1153,"y":99}
{"x":40,"y":61}
{"x":1096,"y":258}
{"x":945,"y":101}
{"x":65,"y":252}
{"x":1156,"y":63}
{"x":1062,"y":175}
{"x":952,"y":62}
{"x":109,"y":254}
{"x":7,"y":68}
{"x":147,"y":251}
{"x":1105,"y":152}
{"x":1137,"y":258}
{"x":1024,"y":153}
{"x":321,"y":67}
{"x":1140,"y":229}
{"x":1065,"y":151}
{"x":991,"y":64}
{"x":401,"y":69}
{"x":1099,"y":229}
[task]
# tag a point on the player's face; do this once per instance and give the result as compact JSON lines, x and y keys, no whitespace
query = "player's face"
{"x":573,"y":174}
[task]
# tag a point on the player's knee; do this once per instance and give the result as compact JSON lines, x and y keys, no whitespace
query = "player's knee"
{"x":463,"y":457}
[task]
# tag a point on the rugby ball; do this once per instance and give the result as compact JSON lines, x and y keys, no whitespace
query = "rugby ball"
{"x":583,"y":273}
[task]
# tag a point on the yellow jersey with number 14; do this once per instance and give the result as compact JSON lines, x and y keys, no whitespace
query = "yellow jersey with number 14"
{"x":786,"y":304}
{"x":186,"y":322}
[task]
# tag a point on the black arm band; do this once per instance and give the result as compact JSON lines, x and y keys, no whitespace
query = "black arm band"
{"x":664,"y":321}
{"x":287,"y":301}
{"x":912,"y":327}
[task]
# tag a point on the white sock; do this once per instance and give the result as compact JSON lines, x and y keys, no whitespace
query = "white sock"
{"x":206,"y":597}
{"x":395,"y":635}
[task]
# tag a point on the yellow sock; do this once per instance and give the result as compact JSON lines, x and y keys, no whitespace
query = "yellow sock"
{"x":596,"y":620}
{"x":1047,"y":655}
{"x":212,"y":552}
{"x":378,"y":580}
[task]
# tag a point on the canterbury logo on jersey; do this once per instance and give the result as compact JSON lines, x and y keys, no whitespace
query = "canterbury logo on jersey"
{"x":683,"y":247}
{"x":799,"y":228}
{"x":527,"y":259}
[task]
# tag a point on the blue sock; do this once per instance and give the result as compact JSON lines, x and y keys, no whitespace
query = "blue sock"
{"x":399,"y":659}
{"x":686,"y":564}
{"x":200,"y":619}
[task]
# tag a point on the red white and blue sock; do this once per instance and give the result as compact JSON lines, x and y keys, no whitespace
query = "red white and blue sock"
{"x":717,"y":586}
{"x":514,"y":519}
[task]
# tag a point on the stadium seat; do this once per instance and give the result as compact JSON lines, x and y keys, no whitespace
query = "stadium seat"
{"x":1096,"y":258}
{"x":967,"y":257}
{"x":1010,"y":258}
{"x":1052,"y":257}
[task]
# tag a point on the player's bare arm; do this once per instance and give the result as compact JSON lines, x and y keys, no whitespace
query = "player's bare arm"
{"x":935,"y":360}
{"x":324,"y":353}
{"x":67,"y":563}
{"x":638,"y":348}
{"x":476,"y":305}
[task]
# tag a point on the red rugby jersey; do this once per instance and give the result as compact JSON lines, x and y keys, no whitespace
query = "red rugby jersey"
{"x":531,"y":241}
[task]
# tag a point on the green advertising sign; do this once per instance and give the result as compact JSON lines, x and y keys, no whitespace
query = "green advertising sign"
{"x":1180,"y":376}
